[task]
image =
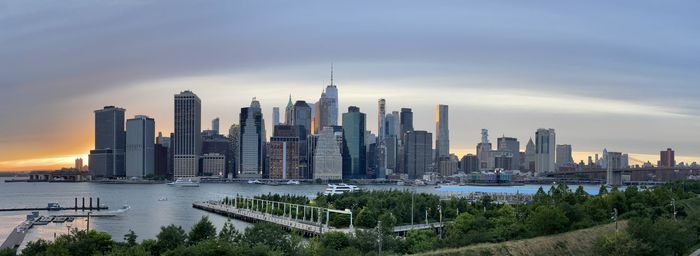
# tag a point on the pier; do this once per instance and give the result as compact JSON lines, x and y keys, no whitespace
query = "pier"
{"x":309,"y":220}
{"x":57,"y":207}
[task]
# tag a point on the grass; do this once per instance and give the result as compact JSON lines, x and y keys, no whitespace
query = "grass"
{"x":579,"y":242}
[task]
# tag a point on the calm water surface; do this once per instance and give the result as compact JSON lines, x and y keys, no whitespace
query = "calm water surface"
{"x":147,"y":214}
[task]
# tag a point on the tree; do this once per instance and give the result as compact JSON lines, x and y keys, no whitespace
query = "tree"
{"x":465,"y":222}
{"x":366,"y":218}
{"x":388,"y":222}
{"x":8,"y":252}
{"x":335,"y":240}
{"x":421,"y":241}
{"x":201,"y":231}
{"x":37,"y":247}
{"x":229,"y":233}
{"x":130,"y":238}
{"x":547,"y":220}
{"x":271,"y":235}
{"x":169,"y":238}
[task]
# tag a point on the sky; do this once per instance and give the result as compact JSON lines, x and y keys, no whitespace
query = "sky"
{"x":621,"y":75}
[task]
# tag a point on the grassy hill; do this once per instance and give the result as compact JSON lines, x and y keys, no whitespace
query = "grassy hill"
{"x":578,"y":242}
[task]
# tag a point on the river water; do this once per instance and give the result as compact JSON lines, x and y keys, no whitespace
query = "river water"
{"x":148,"y":214}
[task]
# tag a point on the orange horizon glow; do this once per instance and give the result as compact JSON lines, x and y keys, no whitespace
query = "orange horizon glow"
{"x":68,"y":160}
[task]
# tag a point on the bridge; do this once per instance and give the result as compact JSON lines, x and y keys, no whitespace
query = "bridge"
{"x":309,"y":220}
{"x":639,"y":175}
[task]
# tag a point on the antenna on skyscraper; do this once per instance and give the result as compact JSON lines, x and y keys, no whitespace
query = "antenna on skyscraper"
{"x":332,"y":73}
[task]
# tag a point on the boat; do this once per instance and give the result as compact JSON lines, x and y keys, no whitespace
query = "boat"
{"x":338,"y":189}
{"x":184,"y":183}
{"x":293,"y":182}
{"x":163,"y":199}
{"x":400,"y":183}
{"x":254,"y":182}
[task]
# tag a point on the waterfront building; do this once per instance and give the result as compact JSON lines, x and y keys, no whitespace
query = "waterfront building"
{"x":501,"y":160}
{"x":511,"y":145}
{"x":213,"y":164}
{"x":108,"y":158}
{"x":188,"y":139}
{"x":328,"y":159}
{"x":234,"y":133}
{"x":545,"y":151}
{"x":447,"y":165}
{"x":354,"y":161}
{"x":214,"y":143}
{"x":469,"y":163}
{"x":418,"y":147}
{"x":301,"y":115}
{"x":252,"y":141}
{"x":160,"y":160}
{"x":140,"y":146}
{"x":284,"y":152}
{"x":564,"y":156}
{"x":667,"y":158}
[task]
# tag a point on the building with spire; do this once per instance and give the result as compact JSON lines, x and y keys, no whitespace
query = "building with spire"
{"x":288,"y":111}
{"x":332,"y":102}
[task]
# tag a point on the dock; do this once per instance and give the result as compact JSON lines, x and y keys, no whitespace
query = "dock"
{"x":57,"y":207}
{"x":14,"y":240}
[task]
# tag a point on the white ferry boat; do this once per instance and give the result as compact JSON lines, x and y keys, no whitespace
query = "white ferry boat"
{"x":184,"y":183}
{"x":334,"y":189}
{"x":254,"y":182}
{"x":293,"y":182}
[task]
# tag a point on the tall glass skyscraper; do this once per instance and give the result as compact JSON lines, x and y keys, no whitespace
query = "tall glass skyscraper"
{"x":354,"y":157}
{"x":442,"y":132}
{"x":252,"y":141}
{"x":108,"y":157}
{"x":545,"y":145}
{"x":188,"y":137}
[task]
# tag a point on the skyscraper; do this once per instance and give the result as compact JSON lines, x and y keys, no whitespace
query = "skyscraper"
{"x":78,"y":164}
{"x":512,"y":146}
{"x":332,"y":102}
{"x":354,"y":161}
{"x":406,"y":121}
{"x":215,"y":125}
{"x":275,"y":116}
{"x":252,"y":141}
{"x":545,"y":151}
{"x":234,"y":133}
{"x":469,"y":163}
{"x":442,"y":132}
{"x":288,"y":111}
{"x":328,"y":160}
{"x":140,"y":147}
{"x":108,"y":157}
{"x":418,"y":148}
{"x":483,"y":150}
{"x":301,"y":115}
{"x":381,"y":115}
{"x":564,"y":155}
{"x":285,"y":144}
{"x":530,"y":156}
{"x":667,"y":158}
{"x":188,"y":139}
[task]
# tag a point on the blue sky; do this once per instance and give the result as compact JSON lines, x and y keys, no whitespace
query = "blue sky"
{"x":616,"y":74}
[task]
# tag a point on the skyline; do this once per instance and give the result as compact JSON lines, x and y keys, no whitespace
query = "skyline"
{"x":622,"y":81}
